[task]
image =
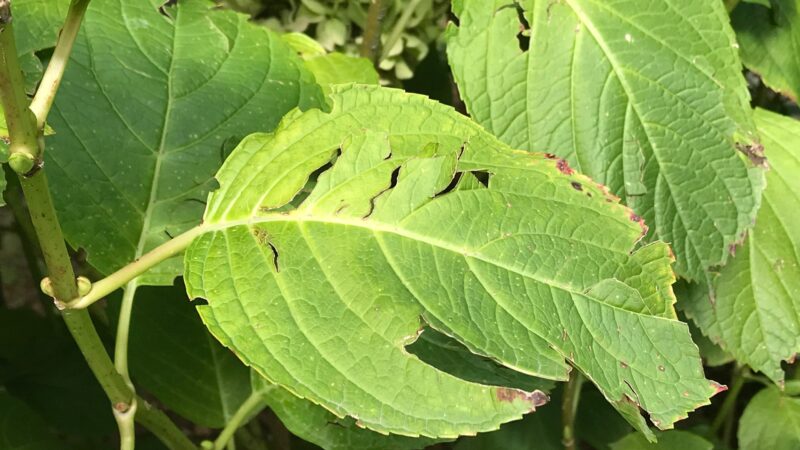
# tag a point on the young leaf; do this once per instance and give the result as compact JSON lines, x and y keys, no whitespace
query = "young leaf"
{"x":147,"y":102}
{"x":172,"y":355}
{"x":671,"y":440}
{"x":536,"y":267}
{"x":751,"y":307}
{"x":768,"y":36}
{"x":22,"y":429}
{"x":645,"y":96}
{"x":771,"y":420}
{"x":316,"y":425}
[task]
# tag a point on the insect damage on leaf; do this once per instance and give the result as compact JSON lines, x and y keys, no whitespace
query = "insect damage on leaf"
{"x":423,"y":214}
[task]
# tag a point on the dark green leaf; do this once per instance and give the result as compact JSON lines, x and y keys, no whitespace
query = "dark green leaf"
{"x":670,"y":440}
{"x":22,"y":429}
{"x":770,"y":421}
{"x":146,"y":104}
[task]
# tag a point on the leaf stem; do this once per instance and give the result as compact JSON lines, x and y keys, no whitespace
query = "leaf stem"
{"x":119,"y":278}
{"x":253,"y":404}
{"x":46,"y":93}
{"x":399,"y":27}
{"x":569,"y":406}
{"x":372,"y":30}
{"x":123,"y":329}
{"x":729,"y":405}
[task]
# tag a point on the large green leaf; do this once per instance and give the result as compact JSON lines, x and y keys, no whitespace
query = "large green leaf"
{"x":752,"y":306}
{"x":172,"y":355}
{"x":22,"y":429}
{"x":645,"y":96}
{"x":768,"y":39}
{"x":147,"y":102}
{"x":770,"y":421}
{"x":536,"y":268}
{"x":36,"y":27}
{"x":540,"y":431}
{"x":314,"y":424}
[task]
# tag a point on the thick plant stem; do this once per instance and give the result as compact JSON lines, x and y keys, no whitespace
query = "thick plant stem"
{"x":253,"y":404}
{"x":46,"y":93}
{"x":569,"y":406}
{"x":372,"y":30}
{"x":25,"y":146}
{"x":162,"y":427}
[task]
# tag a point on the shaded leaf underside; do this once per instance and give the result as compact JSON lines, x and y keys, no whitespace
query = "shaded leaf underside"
{"x":534,"y":269}
{"x":147,"y":102}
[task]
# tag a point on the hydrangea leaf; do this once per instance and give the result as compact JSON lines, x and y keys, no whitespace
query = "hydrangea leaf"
{"x":645,"y":96}
{"x":314,"y":424}
{"x":22,"y":429}
{"x":535,"y":268}
{"x":771,"y":420}
{"x":36,"y":27}
{"x":670,"y":440}
{"x":767,"y":36}
{"x":147,"y":102}
{"x":751,"y":306}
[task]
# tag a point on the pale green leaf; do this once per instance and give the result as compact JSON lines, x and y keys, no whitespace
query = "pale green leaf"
{"x":22,"y":429}
{"x":537,"y":269}
{"x":316,"y":425}
{"x":645,"y":96}
{"x":331,"y":68}
{"x":670,"y":440}
{"x":753,"y":308}
{"x":768,"y":39}
{"x":770,"y":421}
{"x":172,"y":356}
{"x":147,"y":102}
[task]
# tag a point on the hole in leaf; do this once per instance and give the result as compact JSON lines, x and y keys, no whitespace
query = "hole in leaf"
{"x":274,"y":256}
{"x":452,"y":186}
{"x":482,"y":176}
{"x":392,"y":184}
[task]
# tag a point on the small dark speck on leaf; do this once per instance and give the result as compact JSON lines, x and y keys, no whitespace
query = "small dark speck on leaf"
{"x":623,"y":364}
{"x":549,"y":156}
{"x":577,"y":186}
{"x":661,"y":368}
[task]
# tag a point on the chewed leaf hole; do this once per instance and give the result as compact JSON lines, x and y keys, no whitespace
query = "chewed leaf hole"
{"x":453,"y":184}
{"x":482,"y":176}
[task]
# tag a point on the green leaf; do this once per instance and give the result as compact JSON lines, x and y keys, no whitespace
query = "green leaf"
{"x":540,"y":431}
{"x":314,"y":424}
{"x":641,"y":95}
{"x":767,"y":37}
{"x":751,"y":307}
{"x":172,"y":355}
{"x":36,"y":27}
{"x":22,"y":429}
{"x":3,"y":160}
{"x":147,"y":102}
{"x":771,"y":420}
{"x":535,"y":269}
{"x":671,"y":440}
{"x":448,"y":355}
{"x":331,"y":68}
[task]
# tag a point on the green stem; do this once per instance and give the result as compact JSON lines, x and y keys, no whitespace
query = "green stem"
{"x":399,"y":27}
{"x":123,"y":276}
{"x":25,"y":140}
{"x":253,"y":404}
{"x":728,"y":407}
{"x":48,"y":87}
{"x":372,"y":30}
{"x":569,"y":406}
{"x":25,"y":146}
{"x":161,"y":426}
{"x":123,"y":328}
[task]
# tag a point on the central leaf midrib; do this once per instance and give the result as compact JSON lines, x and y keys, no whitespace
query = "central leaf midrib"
{"x":380,"y":227}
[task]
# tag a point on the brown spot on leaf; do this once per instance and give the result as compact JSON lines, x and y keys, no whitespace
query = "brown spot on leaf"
{"x":638,"y":219}
{"x":661,"y":368}
{"x":563,"y":167}
{"x":536,"y":398}
{"x":577,"y":186}
{"x":121,"y":407}
{"x":755,"y":153}
{"x":718,"y":387}
{"x":623,"y":364}
{"x":549,"y":156}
